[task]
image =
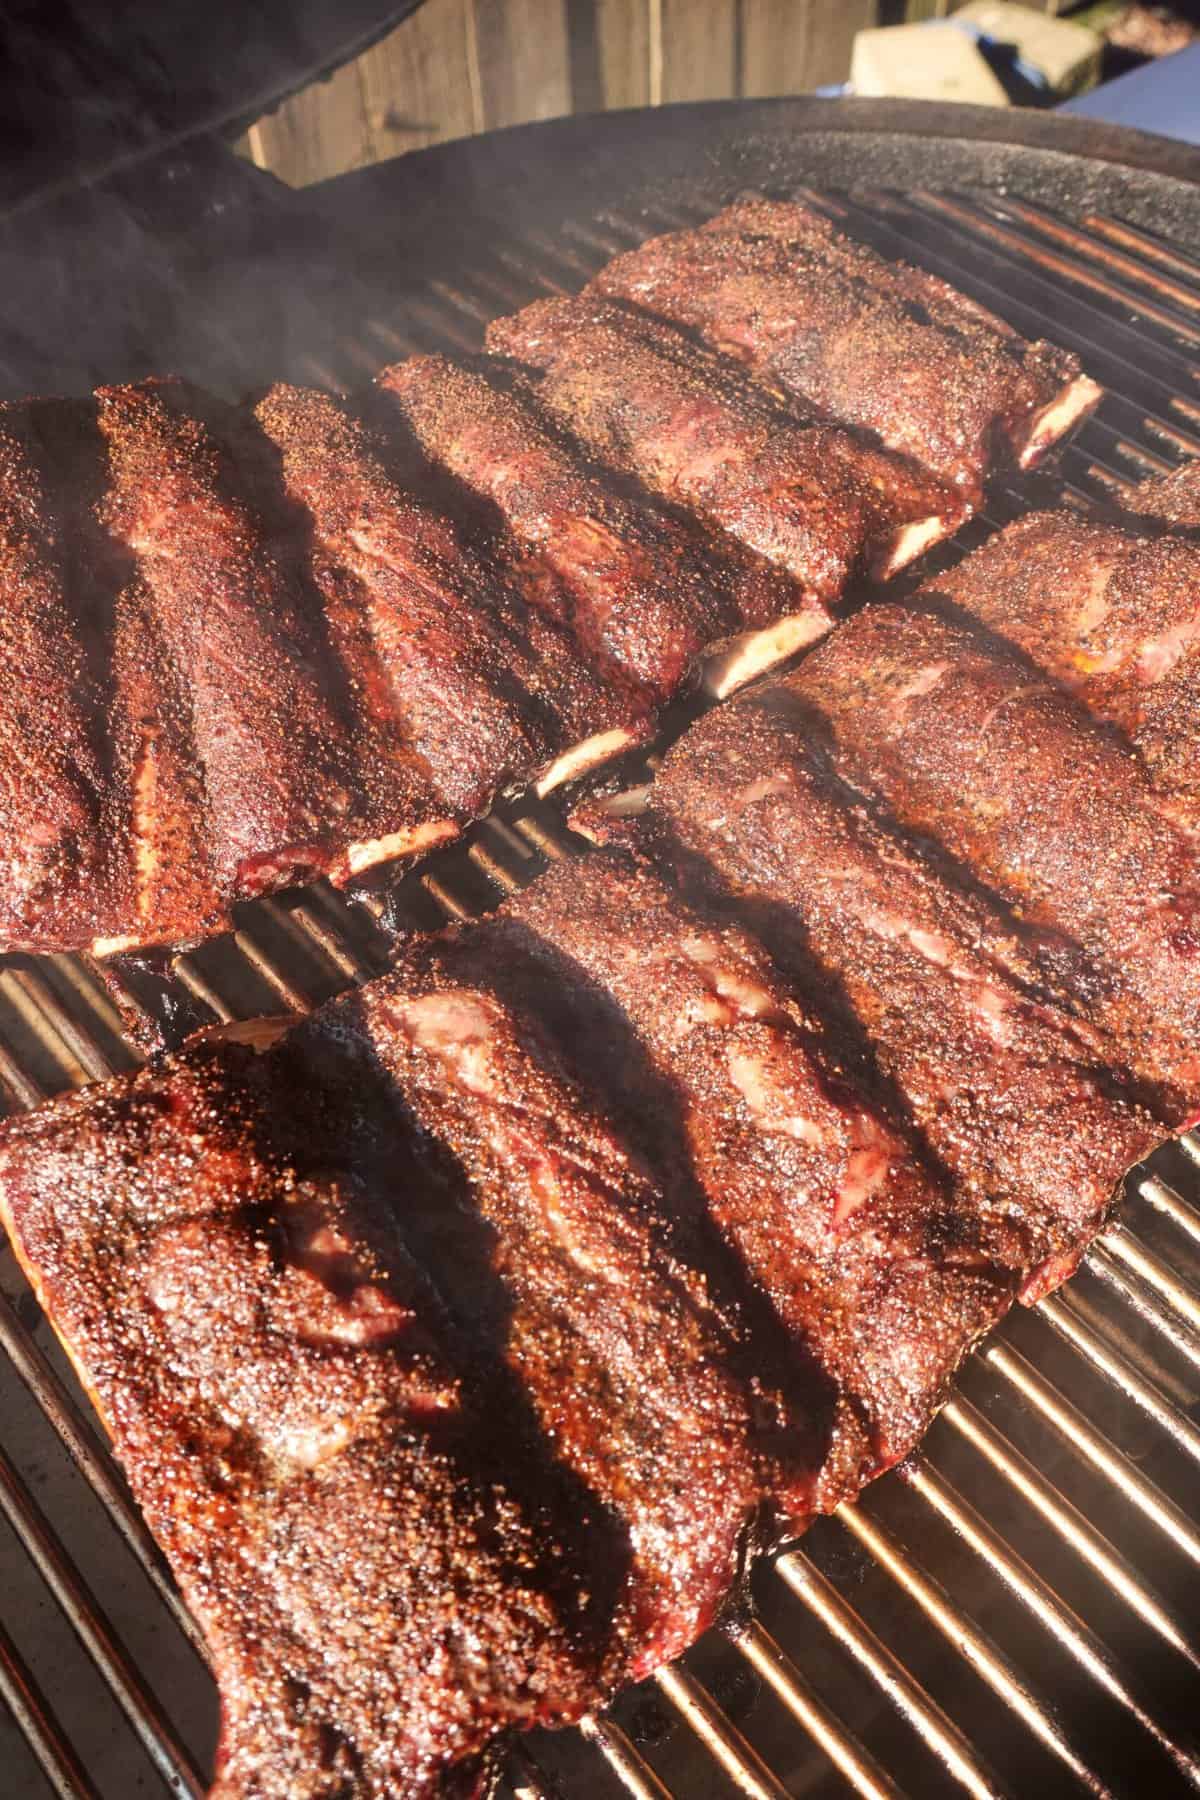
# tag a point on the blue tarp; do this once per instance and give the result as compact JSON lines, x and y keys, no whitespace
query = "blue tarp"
{"x":1163,"y":96}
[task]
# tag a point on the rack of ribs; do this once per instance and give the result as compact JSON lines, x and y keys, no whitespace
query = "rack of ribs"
{"x":944,"y":1005}
{"x":970,"y":746}
{"x":243,"y":652}
{"x":383,"y":1576}
{"x":548,"y":1241}
{"x":254,"y":644}
{"x":355,"y":1367}
{"x":112,"y":779}
{"x":1112,"y":616}
{"x":284,"y":658}
{"x":818,"y":315}
{"x":454,"y":1376}
{"x":805,"y":494}
{"x":646,"y":592}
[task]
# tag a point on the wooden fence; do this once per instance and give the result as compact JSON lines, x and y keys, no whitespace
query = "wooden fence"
{"x":461,"y":66}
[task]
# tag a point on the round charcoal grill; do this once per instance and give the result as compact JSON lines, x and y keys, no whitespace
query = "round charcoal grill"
{"x":1017,"y":1610}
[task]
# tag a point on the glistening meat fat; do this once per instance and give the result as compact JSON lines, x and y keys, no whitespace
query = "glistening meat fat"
{"x":819,"y":315}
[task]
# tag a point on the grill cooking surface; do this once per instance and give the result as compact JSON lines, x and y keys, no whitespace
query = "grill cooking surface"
{"x":1017,"y":1609}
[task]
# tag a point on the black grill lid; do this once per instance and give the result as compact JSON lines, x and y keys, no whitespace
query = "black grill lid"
{"x":87,"y":88}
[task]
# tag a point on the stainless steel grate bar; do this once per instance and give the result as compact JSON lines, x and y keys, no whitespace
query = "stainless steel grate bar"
{"x":1036,"y":1596}
{"x":1075,"y":1429}
{"x":860,"y":1769}
{"x":528,"y":1781}
{"x":41,"y":1731}
{"x":927,"y":1719}
{"x":973,"y":1645}
{"x":1145,"y":1302}
{"x":977,"y":220}
{"x":741,"y":1763}
{"x":1074,"y":238}
{"x":54,"y":1565}
{"x":1063,"y":1316}
{"x":93,"y":1463}
{"x":42,"y":1011}
{"x":1149,"y":248}
{"x":199,"y":985}
{"x":23,"y":1089}
{"x":623,"y":1758}
{"x":1172,"y":1205}
{"x":1069,"y":1523}
{"x":1125,"y":1245}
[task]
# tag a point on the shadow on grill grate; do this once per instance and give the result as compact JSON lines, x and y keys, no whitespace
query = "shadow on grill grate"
{"x":1017,"y":1609}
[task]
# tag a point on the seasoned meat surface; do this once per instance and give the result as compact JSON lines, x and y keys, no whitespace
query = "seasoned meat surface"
{"x":1173,"y":498}
{"x":264,"y":657}
{"x":817,"y":314}
{"x":307,"y":635}
{"x":1112,"y":616}
{"x":808,"y":496}
{"x":383,"y":1578}
{"x":940,"y":995}
{"x":819,"y":1195}
{"x":167,"y":830}
{"x":448,"y":661}
{"x":57,"y":804}
{"x":539,"y":1228}
{"x":967,"y":744}
{"x":275,"y":753}
{"x":643,"y":592}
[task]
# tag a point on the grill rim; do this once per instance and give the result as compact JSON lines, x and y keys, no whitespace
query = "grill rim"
{"x":1045,"y":155}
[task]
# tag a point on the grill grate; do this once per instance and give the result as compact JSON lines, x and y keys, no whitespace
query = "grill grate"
{"x":1014,"y":1610}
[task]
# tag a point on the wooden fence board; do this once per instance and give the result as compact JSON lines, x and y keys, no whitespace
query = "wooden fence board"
{"x":418,"y":83}
{"x":320,"y":131}
{"x":793,"y":46}
{"x":610,"y":53}
{"x":523,"y":59}
{"x":694,"y":51}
